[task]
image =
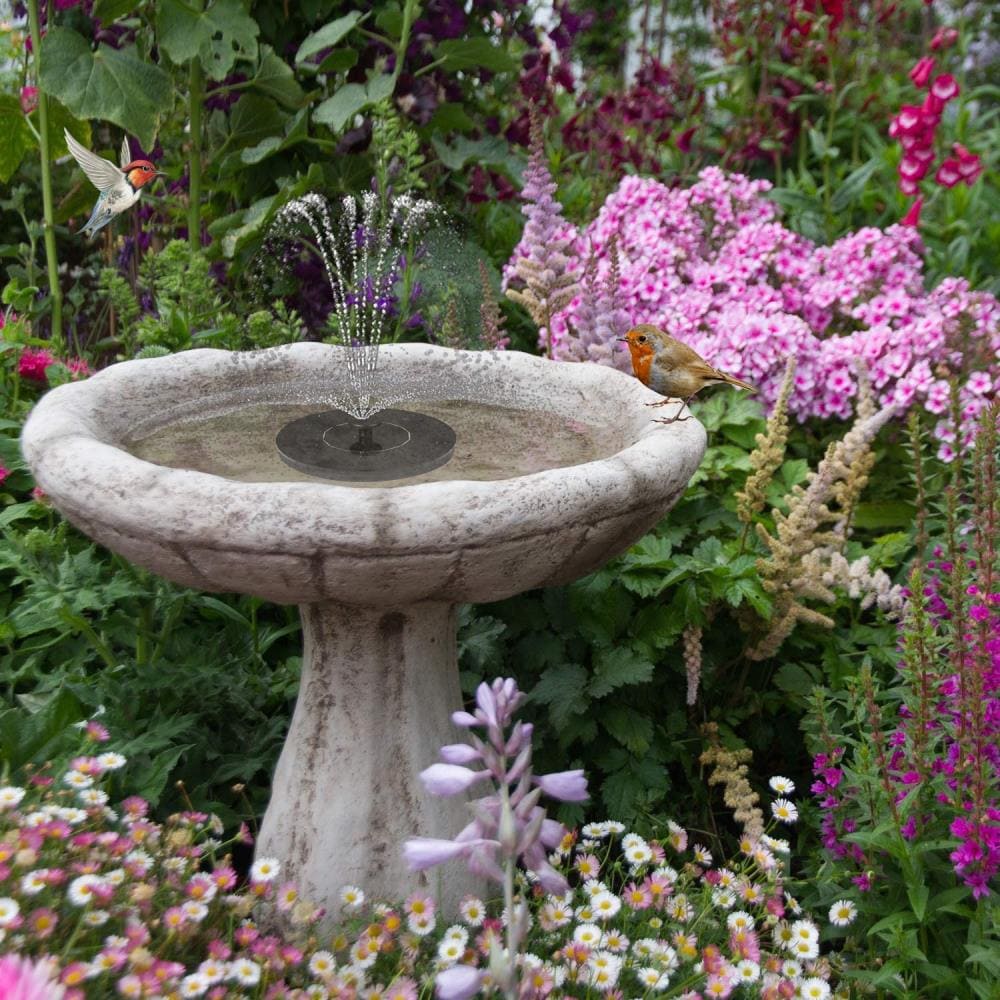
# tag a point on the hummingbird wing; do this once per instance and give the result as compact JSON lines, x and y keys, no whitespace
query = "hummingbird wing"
{"x":126,"y":154}
{"x":103,"y":173}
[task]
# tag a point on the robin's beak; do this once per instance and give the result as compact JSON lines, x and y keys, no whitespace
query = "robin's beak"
{"x":622,"y":340}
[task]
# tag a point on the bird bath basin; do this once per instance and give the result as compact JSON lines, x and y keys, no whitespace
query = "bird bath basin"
{"x":172,"y":463}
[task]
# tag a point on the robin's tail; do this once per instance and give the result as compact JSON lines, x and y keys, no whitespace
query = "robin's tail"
{"x":732,"y":380}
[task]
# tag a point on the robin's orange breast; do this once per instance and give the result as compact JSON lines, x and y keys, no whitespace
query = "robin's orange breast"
{"x":642,"y":364}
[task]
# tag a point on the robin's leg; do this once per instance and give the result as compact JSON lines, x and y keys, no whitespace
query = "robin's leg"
{"x":676,"y":418}
{"x":662,"y":402}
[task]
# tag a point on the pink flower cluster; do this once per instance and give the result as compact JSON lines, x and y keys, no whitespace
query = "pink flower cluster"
{"x":34,"y":364}
{"x":714,"y":266}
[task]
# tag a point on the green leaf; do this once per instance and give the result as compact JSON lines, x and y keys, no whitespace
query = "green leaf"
{"x":562,"y":689}
{"x":219,"y":35}
{"x":854,"y":183}
{"x":491,"y":150}
{"x":329,"y":35}
{"x":628,"y":727}
{"x":338,"y":110}
{"x":475,"y":53}
{"x":274,"y":77}
{"x":107,"y":11}
{"x":619,"y":667}
{"x":884,"y":514}
{"x":917,"y":895}
{"x":479,"y":642}
{"x":150,"y":780}
{"x":109,"y":83}
{"x":17,"y":136}
{"x":254,"y":119}
{"x":59,"y":119}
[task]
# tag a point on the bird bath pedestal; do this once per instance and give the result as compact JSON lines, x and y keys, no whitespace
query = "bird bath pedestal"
{"x":377,"y":571}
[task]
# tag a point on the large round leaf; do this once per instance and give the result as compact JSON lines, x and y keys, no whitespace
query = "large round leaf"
{"x":110,"y":83}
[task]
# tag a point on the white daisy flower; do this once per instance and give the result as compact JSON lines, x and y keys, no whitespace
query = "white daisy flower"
{"x":71,"y":814}
{"x":81,"y":889}
{"x":702,"y":855}
{"x":9,"y":909}
{"x":613,"y":940}
{"x":194,"y":911}
{"x":34,"y":882}
{"x":805,"y":930}
{"x":194,"y":985}
{"x":95,"y":918}
{"x":814,"y":988}
{"x":421,"y":923}
{"x":843,"y":913}
{"x":784,"y":811}
{"x":791,"y":969}
{"x":352,"y":897}
{"x":322,"y":964}
{"x":114,"y":877}
{"x":631,"y":840}
{"x":77,"y":779}
{"x":776,"y":844}
{"x":595,"y":831}
{"x":783,"y":786}
{"x":747,"y":971}
{"x":111,"y":761}
{"x":265,"y":870}
{"x":652,"y":979}
{"x":606,"y":905}
{"x":638,"y":854}
{"x":805,"y":950}
{"x":613,"y":827}
{"x":10,"y":796}
{"x":93,"y":797}
{"x":244,"y":972}
{"x":588,"y":934}
{"x":212,"y":970}
{"x":450,"y":951}
{"x":725,"y":899}
{"x":740,"y":920}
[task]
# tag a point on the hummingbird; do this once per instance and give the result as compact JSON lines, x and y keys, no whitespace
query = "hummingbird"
{"x":119,"y":187}
{"x":671,"y":368}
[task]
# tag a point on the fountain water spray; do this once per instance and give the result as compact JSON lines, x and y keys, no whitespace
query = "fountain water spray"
{"x":362,"y":251}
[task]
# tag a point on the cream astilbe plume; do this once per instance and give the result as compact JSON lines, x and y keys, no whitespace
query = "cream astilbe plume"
{"x":811,"y":524}
{"x":729,"y":769}
{"x":767,"y":456}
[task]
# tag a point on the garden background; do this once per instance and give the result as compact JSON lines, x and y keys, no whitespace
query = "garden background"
{"x":773,"y":182}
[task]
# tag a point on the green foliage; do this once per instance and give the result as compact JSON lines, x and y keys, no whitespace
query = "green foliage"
{"x":603,"y":658}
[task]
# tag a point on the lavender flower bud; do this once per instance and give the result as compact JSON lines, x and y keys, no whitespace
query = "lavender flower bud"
{"x":425,"y":852}
{"x":567,"y":786}
{"x":459,"y":753}
{"x":450,"y":779}
{"x":464,"y":719}
{"x":458,"y":983}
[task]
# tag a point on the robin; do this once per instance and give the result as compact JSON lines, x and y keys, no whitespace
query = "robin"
{"x":671,"y":368}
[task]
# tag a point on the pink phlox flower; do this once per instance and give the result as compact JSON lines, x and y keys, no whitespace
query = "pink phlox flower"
{"x":32,"y":364}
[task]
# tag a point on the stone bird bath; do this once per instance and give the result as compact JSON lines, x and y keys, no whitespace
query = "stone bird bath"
{"x":170,"y":462}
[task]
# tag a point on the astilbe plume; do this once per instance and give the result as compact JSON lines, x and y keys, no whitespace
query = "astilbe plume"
{"x":492,"y":333}
{"x":539,"y":278}
{"x":600,"y":316}
{"x":509,"y":826}
{"x":810,"y":523}
{"x":730,"y":769}
{"x":769,"y":453}
{"x":714,"y":266}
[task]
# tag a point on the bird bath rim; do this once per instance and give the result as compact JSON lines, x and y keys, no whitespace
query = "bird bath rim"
{"x":74,"y":439}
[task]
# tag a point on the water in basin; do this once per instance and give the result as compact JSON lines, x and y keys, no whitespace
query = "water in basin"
{"x":493,"y":442}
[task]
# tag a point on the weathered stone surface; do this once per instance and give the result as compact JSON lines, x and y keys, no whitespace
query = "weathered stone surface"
{"x":376,"y":571}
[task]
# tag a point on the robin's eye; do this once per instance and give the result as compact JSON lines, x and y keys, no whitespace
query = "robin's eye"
{"x":642,"y":340}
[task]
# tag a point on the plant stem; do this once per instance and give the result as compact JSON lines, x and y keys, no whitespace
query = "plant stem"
{"x":196,"y":88}
{"x":55,"y":292}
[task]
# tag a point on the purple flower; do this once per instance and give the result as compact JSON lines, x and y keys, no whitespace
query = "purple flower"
{"x":450,"y":779}
{"x":568,"y":786}
{"x":458,"y":983}
{"x":426,"y":852}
